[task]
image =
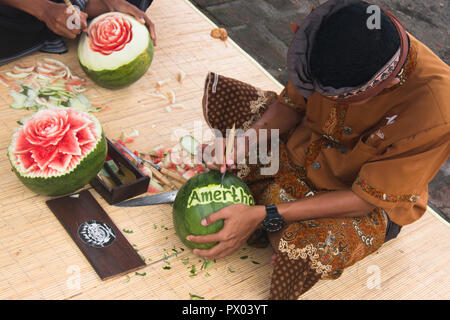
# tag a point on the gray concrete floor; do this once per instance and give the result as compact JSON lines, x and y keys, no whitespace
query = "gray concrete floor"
{"x":261,"y":28}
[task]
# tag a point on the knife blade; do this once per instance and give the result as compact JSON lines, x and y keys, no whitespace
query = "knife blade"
{"x":160,"y":198}
{"x":228,"y":149}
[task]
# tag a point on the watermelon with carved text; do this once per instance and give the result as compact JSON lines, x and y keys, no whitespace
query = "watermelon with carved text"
{"x":202,"y":195}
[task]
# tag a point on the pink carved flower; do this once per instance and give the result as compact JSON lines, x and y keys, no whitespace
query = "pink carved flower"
{"x":55,"y":140}
{"x":110,"y":33}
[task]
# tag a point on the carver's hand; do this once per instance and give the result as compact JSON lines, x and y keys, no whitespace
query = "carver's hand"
{"x":64,"y":21}
{"x":240,"y":221}
{"x":126,"y":7}
{"x":214,"y":154}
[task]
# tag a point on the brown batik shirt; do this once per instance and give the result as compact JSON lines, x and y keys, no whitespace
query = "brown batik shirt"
{"x":386,"y":150}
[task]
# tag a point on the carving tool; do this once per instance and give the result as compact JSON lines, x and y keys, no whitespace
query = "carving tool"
{"x":157,"y":170}
{"x":228,"y":150}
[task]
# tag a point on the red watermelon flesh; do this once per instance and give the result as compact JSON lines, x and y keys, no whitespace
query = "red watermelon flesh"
{"x":54,"y":141}
{"x":111,"y":33}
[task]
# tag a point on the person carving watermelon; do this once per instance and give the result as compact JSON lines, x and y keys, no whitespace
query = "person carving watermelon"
{"x":31,"y":25}
{"x":364,"y":127}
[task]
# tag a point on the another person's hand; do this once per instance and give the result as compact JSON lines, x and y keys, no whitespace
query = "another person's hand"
{"x":240,"y":221}
{"x":126,"y":7}
{"x":64,"y":21}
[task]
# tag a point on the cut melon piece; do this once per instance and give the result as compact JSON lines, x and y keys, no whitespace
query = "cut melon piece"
{"x":190,"y":144}
{"x":189,"y":174}
{"x":158,"y":152}
{"x":117,"y":52}
{"x":155,"y":187}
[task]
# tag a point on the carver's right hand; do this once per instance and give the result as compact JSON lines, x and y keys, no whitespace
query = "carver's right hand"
{"x":213,"y":155}
{"x":64,"y":21}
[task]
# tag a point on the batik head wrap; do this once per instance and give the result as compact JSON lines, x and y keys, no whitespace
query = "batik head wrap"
{"x":298,"y":59}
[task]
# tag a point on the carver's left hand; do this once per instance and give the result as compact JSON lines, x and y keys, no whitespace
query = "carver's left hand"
{"x":240,"y":221}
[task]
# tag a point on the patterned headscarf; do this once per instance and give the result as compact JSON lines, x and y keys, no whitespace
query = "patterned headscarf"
{"x":299,"y":69}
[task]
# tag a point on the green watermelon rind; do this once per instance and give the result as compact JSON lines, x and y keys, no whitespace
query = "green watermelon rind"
{"x":182,"y":226}
{"x":124,"y":75}
{"x":72,"y":181}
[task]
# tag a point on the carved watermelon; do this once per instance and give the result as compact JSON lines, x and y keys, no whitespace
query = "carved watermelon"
{"x":117,"y":50}
{"x":201,"y":196}
{"x":58,"y":151}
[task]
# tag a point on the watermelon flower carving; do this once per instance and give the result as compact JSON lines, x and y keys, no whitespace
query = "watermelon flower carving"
{"x":116,"y":51}
{"x":110,"y":33}
{"x":54,"y":141}
{"x":58,"y":151}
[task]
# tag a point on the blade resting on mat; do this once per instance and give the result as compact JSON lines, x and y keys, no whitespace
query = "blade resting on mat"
{"x":161,"y":198}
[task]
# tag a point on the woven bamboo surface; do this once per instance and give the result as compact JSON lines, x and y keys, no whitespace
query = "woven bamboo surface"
{"x":38,"y":259}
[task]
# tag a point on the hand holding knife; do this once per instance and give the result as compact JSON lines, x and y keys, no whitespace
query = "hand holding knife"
{"x":73,"y":9}
{"x":169,"y":197}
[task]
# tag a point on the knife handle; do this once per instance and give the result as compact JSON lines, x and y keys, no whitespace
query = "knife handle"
{"x":163,"y":179}
{"x":173,"y":175}
{"x":178,"y":185}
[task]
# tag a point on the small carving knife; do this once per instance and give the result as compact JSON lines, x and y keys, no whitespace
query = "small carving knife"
{"x":73,"y":9}
{"x":228,"y":149}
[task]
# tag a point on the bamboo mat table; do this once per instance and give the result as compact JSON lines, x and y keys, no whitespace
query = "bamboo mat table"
{"x":38,"y":259}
